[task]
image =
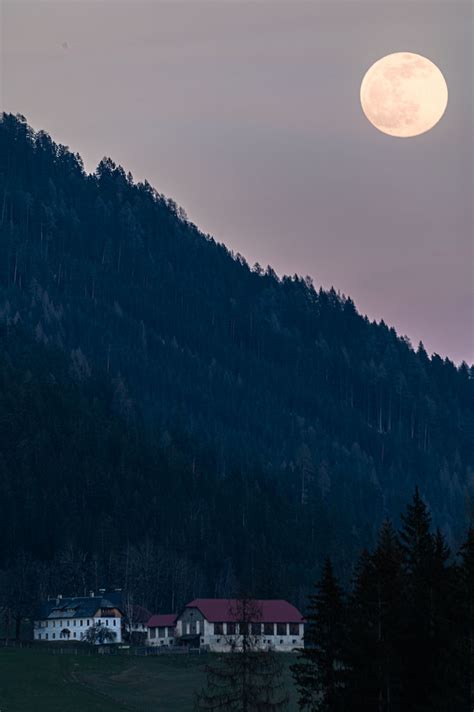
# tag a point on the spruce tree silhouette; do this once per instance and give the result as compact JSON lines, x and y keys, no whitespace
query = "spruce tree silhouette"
{"x":319,"y":673}
{"x":247,"y":678}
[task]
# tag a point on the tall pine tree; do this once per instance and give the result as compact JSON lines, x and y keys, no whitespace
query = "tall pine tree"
{"x":429,"y":634}
{"x":466,"y":629}
{"x":374,"y":628}
{"x":319,"y":673}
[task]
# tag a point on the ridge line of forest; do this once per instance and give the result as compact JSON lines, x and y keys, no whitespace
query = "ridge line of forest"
{"x":195,"y":411}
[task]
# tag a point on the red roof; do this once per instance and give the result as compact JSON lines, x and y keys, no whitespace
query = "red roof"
{"x":222,"y":610}
{"x":162,"y":620}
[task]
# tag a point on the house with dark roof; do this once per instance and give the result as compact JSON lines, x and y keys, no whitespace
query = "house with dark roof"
{"x":68,"y":619}
{"x":161,"y":629}
{"x":218,"y":624}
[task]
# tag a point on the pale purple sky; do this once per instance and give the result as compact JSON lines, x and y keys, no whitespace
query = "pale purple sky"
{"x":248,"y":115}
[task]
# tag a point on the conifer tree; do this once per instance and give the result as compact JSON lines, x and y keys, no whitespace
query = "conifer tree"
{"x":246,"y":679}
{"x":374,"y":627}
{"x":445,"y":629}
{"x":418,"y":616}
{"x":466,"y":631}
{"x":319,"y":673}
{"x":416,"y":539}
{"x":362,"y":637}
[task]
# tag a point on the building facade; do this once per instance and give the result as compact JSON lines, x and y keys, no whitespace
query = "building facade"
{"x":68,"y":619}
{"x":218,"y":625}
{"x":161,"y":630}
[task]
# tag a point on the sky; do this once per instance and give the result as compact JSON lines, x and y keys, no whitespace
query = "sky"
{"x":247,"y":113}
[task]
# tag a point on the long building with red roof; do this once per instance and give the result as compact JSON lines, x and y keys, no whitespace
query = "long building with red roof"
{"x":218,"y":624}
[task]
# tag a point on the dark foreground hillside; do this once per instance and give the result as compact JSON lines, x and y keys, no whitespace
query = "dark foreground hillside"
{"x":36,"y":679}
{"x":165,"y":407}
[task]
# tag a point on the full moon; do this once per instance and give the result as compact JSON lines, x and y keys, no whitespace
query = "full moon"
{"x":404,"y":94}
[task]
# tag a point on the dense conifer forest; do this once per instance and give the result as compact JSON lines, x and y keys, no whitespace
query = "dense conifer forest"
{"x":400,"y":638}
{"x":178,"y":423}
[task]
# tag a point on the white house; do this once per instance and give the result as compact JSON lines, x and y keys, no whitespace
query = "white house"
{"x":67,"y":619}
{"x":217,"y":624}
{"x":161,"y":630}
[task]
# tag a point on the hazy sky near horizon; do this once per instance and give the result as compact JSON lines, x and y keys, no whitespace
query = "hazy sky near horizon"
{"x":247,"y":114}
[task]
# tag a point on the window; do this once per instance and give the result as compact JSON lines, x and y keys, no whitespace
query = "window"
{"x":281,"y":628}
{"x":54,"y":624}
{"x":106,"y":621}
{"x":256,"y":628}
{"x":54,"y":635}
{"x":161,"y":632}
{"x":152,"y":632}
{"x":87,"y":622}
{"x":39,"y":636}
{"x":67,"y":623}
{"x":294,"y":629}
{"x":81,"y":622}
{"x":115,"y":622}
{"x":244,"y":628}
{"x":231,"y":628}
{"x":218,"y":629}
{"x":60,"y":624}
{"x":74,"y":634}
{"x":46,"y":636}
{"x":74,"y":622}
{"x":268,"y":628}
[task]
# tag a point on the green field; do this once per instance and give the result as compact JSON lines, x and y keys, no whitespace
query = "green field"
{"x":36,"y":681}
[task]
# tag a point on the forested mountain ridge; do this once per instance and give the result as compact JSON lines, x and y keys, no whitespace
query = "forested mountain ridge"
{"x":326,"y":420}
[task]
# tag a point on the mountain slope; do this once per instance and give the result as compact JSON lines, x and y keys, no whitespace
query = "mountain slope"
{"x":237,"y":370}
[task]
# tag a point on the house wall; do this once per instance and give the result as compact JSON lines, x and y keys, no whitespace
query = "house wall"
{"x":222,"y":642}
{"x":139,"y":628}
{"x":190,"y":622}
{"x":50,"y":629}
{"x":163,"y":636}
{"x":286,"y":642}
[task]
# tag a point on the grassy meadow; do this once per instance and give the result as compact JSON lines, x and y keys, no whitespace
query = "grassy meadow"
{"x":34,"y":680}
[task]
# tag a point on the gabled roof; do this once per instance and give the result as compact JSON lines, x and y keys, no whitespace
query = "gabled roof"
{"x":161,"y":620}
{"x":76,"y":607}
{"x":223,"y":610}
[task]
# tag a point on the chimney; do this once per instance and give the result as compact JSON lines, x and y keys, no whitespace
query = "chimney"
{"x":91,"y":594}
{"x":58,"y":598}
